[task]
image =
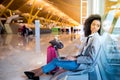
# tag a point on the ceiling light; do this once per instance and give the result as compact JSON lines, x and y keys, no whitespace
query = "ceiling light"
{"x":39,"y":8}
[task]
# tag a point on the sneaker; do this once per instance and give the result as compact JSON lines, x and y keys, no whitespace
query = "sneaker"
{"x":30,"y":75}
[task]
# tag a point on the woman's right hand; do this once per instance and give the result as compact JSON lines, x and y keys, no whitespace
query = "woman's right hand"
{"x":71,"y":58}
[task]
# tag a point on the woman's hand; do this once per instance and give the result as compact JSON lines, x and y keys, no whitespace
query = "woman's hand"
{"x":70,"y":58}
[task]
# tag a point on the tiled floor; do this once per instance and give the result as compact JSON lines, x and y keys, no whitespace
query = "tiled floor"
{"x":18,"y":54}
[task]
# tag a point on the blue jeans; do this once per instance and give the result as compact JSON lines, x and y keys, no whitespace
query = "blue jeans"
{"x":67,"y":65}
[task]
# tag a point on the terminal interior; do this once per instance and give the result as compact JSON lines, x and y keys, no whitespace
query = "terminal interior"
{"x":56,"y":18}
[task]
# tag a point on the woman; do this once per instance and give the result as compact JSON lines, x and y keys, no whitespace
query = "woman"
{"x":92,"y":28}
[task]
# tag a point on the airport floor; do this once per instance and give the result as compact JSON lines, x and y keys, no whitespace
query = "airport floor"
{"x":18,"y":54}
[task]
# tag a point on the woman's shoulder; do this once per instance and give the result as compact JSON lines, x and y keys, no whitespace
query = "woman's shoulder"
{"x":96,"y":35}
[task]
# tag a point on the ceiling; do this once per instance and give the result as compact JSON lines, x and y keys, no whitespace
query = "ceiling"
{"x":61,"y":11}
{"x":57,"y":11}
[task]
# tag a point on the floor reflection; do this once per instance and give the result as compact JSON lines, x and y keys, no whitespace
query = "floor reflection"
{"x":17,"y":53}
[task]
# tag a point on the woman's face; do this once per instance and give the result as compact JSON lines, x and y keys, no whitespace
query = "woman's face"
{"x":95,"y":26}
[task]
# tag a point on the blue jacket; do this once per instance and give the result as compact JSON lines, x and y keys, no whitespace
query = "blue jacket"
{"x":90,"y":51}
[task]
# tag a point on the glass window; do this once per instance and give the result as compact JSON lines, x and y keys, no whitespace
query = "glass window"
{"x":110,"y":58}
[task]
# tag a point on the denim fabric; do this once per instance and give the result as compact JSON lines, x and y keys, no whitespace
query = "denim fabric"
{"x":67,"y":65}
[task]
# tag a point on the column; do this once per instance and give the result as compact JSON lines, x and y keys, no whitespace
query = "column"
{"x":37,"y":35}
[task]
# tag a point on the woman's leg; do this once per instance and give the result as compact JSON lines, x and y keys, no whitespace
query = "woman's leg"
{"x":67,"y":65}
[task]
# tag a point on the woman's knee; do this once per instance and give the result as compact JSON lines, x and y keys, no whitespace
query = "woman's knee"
{"x":55,"y":59}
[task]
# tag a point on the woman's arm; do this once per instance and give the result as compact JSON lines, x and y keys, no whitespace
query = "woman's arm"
{"x":90,"y":51}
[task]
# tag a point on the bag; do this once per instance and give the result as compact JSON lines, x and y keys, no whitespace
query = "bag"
{"x":51,"y":54}
{"x":57,"y":44}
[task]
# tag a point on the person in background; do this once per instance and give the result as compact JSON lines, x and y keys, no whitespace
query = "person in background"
{"x":87,"y":53}
{"x":23,"y":30}
{"x":26,"y":31}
